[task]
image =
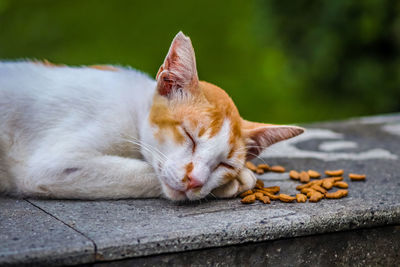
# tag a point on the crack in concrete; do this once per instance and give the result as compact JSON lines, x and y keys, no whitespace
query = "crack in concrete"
{"x":95,"y":256}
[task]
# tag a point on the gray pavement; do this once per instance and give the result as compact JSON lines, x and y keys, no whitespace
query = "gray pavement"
{"x":76,"y":232}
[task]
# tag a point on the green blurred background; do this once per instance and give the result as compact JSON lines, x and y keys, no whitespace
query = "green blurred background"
{"x":281,"y":61}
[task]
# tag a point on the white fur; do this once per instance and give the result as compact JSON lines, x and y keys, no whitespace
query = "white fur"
{"x":62,"y":131}
{"x":69,"y":132}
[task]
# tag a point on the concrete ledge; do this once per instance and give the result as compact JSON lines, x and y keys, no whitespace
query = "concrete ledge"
{"x":90,"y":231}
{"x":366,"y":247}
{"x":29,"y":236}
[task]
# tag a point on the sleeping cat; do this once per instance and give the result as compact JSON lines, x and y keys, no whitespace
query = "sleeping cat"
{"x":108,"y":132}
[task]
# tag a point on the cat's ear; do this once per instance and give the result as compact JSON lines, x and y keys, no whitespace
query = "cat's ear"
{"x":178,"y":72}
{"x":258,"y":136}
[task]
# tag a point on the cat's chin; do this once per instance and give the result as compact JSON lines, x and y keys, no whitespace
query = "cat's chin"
{"x":172,"y":194}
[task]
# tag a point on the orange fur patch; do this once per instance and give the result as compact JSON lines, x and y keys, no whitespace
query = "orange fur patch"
{"x":47,"y":63}
{"x":230,"y":154}
{"x":104,"y":67}
{"x":202,"y":132}
{"x":164,"y":119}
{"x":224,"y":108}
{"x":206,"y":109}
{"x":189,"y":167}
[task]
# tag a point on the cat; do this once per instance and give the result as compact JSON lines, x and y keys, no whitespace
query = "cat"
{"x":108,"y":132}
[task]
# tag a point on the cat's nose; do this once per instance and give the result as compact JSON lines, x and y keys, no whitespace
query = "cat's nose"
{"x":193,"y":182}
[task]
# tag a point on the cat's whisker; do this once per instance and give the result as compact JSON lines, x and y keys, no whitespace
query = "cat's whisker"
{"x":151,"y":147}
{"x":147,"y":147}
{"x":157,"y":156}
{"x":257,"y":157}
{"x":165,"y":158}
{"x":247,"y":147}
{"x":271,"y":148}
{"x":141,"y":143}
{"x":253,"y":154}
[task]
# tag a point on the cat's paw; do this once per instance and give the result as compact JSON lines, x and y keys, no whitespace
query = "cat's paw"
{"x":244,"y":181}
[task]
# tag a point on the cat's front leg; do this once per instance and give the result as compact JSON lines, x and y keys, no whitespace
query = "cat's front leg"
{"x":244,"y":181}
{"x":97,"y":177}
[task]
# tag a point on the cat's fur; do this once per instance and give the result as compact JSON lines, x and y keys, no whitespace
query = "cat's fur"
{"x":111,"y":132}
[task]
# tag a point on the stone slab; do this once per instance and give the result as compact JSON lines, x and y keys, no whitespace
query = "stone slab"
{"x":133,"y":228}
{"x":29,"y":236}
{"x":367,"y":247}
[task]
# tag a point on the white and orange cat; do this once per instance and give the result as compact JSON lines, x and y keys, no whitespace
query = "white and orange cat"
{"x":108,"y":132}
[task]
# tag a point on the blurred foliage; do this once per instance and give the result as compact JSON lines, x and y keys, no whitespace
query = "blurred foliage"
{"x":280,"y":61}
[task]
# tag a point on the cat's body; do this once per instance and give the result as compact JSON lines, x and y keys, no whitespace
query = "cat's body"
{"x":56,"y":127}
{"x":110,"y":132}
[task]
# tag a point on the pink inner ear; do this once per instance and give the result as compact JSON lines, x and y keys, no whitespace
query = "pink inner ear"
{"x":260,"y":137}
{"x":179,"y":68}
{"x":166,"y":83}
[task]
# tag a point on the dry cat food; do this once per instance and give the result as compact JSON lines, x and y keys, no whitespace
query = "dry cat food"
{"x":294,"y":175}
{"x":251,"y":166}
{"x":341,"y":184}
{"x":262,"y":168}
{"x":259,"y":171}
{"x":304,"y":177}
{"x":313,"y":190}
{"x":249,"y":199}
{"x":338,"y":194}
{"x":301,"y":198}
{"x":277,"y":168}
{"x":357,"y":177}
{"x":286,"y":198}
{"x":334,"y":173}
{"x":313,"y":174}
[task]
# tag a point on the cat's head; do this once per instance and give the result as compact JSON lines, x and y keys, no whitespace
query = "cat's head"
{"x":199,"y":141}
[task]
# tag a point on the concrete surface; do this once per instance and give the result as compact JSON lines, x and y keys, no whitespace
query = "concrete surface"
{"x":29,"y":235}
{"x":113,"y":230}
{"x":366,"y":247}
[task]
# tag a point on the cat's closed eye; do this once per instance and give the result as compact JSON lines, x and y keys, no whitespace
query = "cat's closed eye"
{"x":191,"y":139}
{"x":225,"y":165}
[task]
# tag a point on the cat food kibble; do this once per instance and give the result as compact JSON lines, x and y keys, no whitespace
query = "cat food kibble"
{"x":277,"y":168}
{"x":313,"y":174}
{"x":315,"y":196}
{"x":341,"y":184}
{"x":338,"y":194}
{"x":357,"y":177}
{"x":304,"y":177}
{"x":327,"y":184}
{"x":265,"y":167}
{"x":294,"y":175}
{"x":286,"y":198}
{"x":334,"y":173}
{"x":249,"y":199}
{"x":246,"y":193}
{"x":272,"y":196}
{"x":319,"y":188}
{"x":314,"y":190}
{"x":272,"y":189}
{"x":251,"y":166}
{"x":265,"y":200}
{"x":301,"y":198}
{"x":258,"y":195}
{"x":259,"y":171}
{"x":259,"y":184}
{"x":306,"y":190}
